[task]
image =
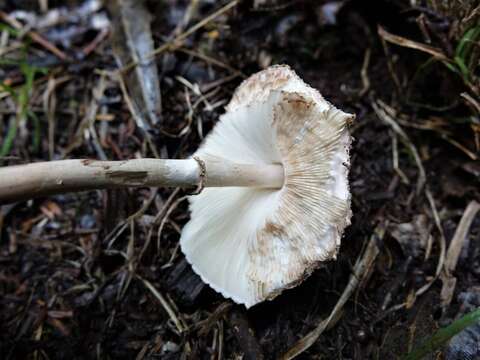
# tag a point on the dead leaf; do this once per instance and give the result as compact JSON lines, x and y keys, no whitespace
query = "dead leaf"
{"x":459,"y":240}
{"x":133,"y":43}
{"x":460,"y":236}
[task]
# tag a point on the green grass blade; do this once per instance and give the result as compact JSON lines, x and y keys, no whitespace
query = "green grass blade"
{"x":8,"y":142}
{"x":467,"y":41}
{"x":21,"y":96}
{"x":452,"y":67}
{"x":463,"y":68}
{"x":439,"y":338}
{"x":9,"y":29}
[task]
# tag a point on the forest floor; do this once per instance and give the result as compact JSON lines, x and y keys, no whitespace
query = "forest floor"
{"x":74,"y":280}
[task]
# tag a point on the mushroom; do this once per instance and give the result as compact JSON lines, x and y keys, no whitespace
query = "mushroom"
{"x":273,"y":172}
{"x":252,"y":243}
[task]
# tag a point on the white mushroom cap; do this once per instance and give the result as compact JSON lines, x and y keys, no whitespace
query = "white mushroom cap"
{"x":249,"y":243}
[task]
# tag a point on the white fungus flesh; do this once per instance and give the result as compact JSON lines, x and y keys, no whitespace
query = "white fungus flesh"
{"x":250,"y":244}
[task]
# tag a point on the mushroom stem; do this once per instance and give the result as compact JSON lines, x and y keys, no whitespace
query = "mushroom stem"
{"x":22,"y":182}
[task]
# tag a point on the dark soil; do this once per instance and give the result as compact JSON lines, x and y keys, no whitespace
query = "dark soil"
{"x":67,"y":286}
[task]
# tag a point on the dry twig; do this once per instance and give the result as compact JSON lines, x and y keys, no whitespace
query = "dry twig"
{"x":34,"y":36}
{"x":401,"y":41}
{"x":360,"y":273}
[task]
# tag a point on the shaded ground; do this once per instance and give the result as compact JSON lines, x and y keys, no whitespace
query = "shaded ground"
{"x":74,"y":281}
